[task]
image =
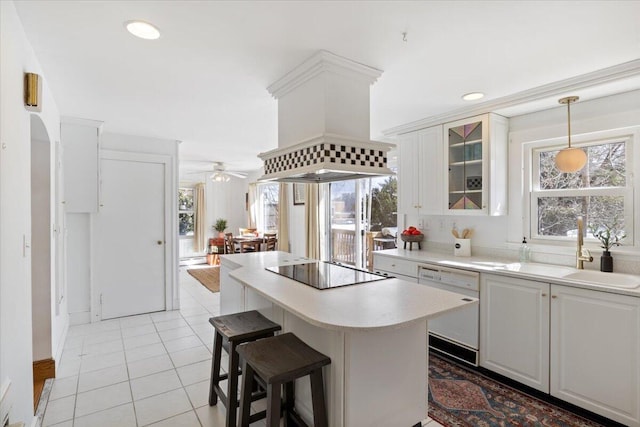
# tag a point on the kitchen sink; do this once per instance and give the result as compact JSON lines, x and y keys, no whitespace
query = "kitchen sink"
{"x":538,"y":269}
{"x":612,"y":280}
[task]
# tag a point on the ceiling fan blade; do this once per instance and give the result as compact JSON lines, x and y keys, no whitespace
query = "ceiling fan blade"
{"x":242,"y":175}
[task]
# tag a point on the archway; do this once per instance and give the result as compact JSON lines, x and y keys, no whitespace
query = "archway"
{"x":41,"y":263}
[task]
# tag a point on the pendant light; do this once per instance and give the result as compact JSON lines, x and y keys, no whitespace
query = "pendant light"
{"x":570,"y":160}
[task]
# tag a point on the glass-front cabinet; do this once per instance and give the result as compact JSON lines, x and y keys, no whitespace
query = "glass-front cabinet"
{"x":476,"y":158}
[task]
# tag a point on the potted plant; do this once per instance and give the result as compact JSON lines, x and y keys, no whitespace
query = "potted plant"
{"x":220,"y":226}
{"x":609,"y":236}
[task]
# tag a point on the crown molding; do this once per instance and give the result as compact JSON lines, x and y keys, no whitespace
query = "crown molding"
{"x":562,"y":87}
{"x":322,"y":62}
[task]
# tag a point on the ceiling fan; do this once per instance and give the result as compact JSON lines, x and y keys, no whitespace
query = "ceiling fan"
{"x":220,"y":173}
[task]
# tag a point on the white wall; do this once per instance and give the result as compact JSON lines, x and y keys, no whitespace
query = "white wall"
{"x":79,"y":268}
{"x":79,"y":227}
{"x":15,"y":218}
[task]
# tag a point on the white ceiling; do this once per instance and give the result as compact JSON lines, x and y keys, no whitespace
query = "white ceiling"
{"x":204,"y":81}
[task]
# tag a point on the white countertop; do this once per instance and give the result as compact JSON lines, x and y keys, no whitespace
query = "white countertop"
{"x":388,"y":303}
{"x":556,"y":274}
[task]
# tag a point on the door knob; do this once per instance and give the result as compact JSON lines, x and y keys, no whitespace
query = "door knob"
{"x":159,"y":242}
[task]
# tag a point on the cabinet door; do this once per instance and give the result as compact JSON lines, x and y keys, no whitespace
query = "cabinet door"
{"x":514,"y":329}
{"x":81,"y":165}
{"x":475,"y":154}
{"x":409,"y":175}
{"x":420,"y":172}
{"x":429,"y":170}
{"x":595,"y":352}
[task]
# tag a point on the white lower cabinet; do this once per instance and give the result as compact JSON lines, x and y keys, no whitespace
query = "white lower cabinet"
{"x":595,"y":352}
{"x":396,"y":267}
{"x":579,"y":345}
{"x":514,"y":329}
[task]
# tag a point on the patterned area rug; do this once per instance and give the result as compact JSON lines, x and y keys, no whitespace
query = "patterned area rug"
{"x":461,"y":397}
{"x":208,"y":276}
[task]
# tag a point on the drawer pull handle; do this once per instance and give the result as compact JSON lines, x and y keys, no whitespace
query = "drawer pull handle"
{"x":544,"y":295}
{"x":554,"y":296}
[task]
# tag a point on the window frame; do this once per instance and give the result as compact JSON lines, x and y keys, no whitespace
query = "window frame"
{"x":260,"y":211}
{"x":191,"y":211}
{"x":534,"y":191}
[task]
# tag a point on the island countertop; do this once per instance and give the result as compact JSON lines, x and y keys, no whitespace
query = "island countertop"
{"x":388,"y":303}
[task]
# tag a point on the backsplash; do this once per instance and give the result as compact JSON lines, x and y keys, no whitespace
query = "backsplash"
{"x":622,"y":262}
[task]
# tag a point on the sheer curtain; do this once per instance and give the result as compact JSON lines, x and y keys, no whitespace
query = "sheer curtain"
{"x":283,"y":217}
{"x":200,"y":217}
{"x":253,"y":206}
{"x":311,"y":220}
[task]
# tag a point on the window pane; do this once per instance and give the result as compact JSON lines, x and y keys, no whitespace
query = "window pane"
{"x":384,"y":203}
{"x":269,"y":210}
{"x":185,"y":224}
{"x":605,"y":168}
{"x":557,"y":216}
{"x":185,"y":199}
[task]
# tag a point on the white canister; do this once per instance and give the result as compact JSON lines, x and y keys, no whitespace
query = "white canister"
{"x":462,"y":247}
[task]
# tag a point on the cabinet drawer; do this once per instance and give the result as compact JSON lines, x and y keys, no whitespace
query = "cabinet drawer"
{"x":395,"y":265}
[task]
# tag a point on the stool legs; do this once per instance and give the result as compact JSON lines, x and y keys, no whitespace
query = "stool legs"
{"x":289,"y":404}
{"x":273,"y":404}
{"x":215,"y":369}
{"x":245,"y":397}
{"x":232,"y":395}
{"x":317,"y":399}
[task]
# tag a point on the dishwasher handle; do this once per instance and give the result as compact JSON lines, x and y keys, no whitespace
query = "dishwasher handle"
{"x":427,"y":273}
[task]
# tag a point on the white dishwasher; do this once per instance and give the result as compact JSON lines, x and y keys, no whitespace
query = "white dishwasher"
{"x":456,"y":333}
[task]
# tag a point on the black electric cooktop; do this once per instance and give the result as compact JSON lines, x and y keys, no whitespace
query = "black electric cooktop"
{"x":325,"y":275}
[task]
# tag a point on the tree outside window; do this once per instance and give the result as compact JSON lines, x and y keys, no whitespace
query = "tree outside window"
{"x":599,"y":192}
{"x":186,"y":211}
{"x":268,"y":197}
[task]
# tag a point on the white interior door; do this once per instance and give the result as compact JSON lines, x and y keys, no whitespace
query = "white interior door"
{"x":129,"y":238}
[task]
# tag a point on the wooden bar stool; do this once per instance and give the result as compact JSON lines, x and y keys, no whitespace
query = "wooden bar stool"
{"x":279,"y":361}
{"x":231,"y":331}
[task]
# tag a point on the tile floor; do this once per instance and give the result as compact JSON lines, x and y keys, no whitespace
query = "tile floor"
{"x":146,"y":370}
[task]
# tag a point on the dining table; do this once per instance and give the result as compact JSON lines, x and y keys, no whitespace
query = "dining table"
{"x":252,"y":241}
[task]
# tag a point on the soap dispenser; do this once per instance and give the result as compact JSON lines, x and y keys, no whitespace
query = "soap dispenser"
{"x":525,"y":251}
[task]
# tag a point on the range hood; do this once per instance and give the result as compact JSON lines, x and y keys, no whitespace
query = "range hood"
{"x":323,"y":124}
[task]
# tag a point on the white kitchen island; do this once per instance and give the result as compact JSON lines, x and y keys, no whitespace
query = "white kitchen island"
{"x":375,"y":334}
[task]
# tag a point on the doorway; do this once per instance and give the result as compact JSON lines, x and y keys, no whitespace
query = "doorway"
{"x":357,"y":207}
{"x":41,"y":256}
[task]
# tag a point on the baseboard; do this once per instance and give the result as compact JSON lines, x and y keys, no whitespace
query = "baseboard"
{"x":43,"y":369}
{"x":80,"y":318}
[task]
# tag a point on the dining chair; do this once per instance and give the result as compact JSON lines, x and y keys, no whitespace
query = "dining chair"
{"x":229,"y":246}
{"x":270,"y":241}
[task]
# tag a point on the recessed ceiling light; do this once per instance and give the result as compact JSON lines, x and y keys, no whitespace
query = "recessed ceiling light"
{"x":473,"y":96}
{"x":142,"y":29}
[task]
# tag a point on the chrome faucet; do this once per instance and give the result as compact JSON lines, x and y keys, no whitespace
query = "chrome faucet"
{"x":582,"y":254}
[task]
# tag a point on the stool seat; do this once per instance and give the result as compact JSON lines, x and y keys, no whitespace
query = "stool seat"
{"x":278,"y":361}
{"x":243,"y":326}
{"x":282,"y":359}
{"x":230,"y":331}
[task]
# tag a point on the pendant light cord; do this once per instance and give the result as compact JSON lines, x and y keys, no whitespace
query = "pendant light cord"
{"x":569,"y":121}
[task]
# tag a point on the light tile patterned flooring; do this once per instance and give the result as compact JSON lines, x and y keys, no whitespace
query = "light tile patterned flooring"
{"x":146,"y":370}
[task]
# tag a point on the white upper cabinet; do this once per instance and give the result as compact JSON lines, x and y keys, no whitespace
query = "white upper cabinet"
{"x":80,"y":151}
{"x":475,"y":154}
{"x":420,"y":172}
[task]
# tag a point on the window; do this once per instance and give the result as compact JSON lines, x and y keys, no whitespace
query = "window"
{"x":267,"y":212}
{"x":186,"y":211}
{"x":601,"y":192}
